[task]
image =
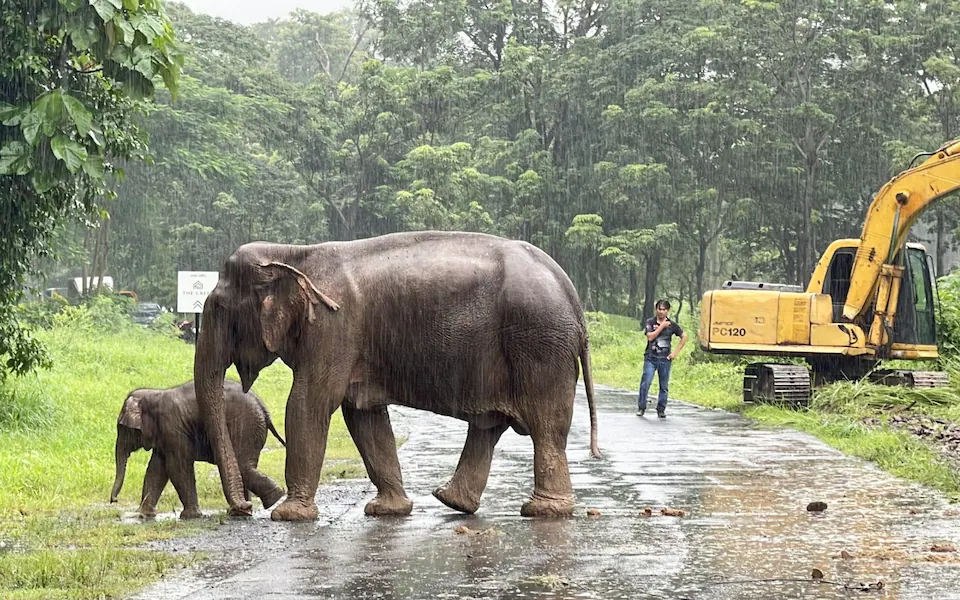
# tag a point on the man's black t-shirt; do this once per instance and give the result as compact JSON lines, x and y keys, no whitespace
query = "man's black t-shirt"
{"x":660,"y":346}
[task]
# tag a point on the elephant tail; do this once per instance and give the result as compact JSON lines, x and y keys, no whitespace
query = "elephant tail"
{"x":588,"y":385}
{"x":273,"y":429}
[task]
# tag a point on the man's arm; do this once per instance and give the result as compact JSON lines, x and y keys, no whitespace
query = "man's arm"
{"x":652,"y":335}
{"x":683,"y":340}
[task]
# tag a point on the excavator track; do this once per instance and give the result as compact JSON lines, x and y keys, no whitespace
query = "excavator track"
{"x":776,"y":383}
{"x":908,"y":378}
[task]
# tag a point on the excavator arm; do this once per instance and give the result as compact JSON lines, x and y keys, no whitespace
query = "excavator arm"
{"x":893,"y":211}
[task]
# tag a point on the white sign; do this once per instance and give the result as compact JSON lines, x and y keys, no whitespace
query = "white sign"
{"x":193,"y":287}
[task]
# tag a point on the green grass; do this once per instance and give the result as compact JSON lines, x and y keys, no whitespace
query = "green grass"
{"x":839,"y":413}
{"x":62,"y":539}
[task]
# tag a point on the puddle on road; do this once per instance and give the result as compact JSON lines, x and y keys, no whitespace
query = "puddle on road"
{"x":746,"y":531}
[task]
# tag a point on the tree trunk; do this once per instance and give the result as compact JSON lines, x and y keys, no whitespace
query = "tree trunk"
{"x":634,"y":290}
{"x":701,"y":265}
{"x":596,"y":283}
{"x":650,"y":283}
{"x":95,"y":263}
{"x":680,"y":302}
{"x":103,"y":257}
{"x":84,"y":287}
{"x":715,"y":262}
{"x":806,"y":241}
{"x":789,"y":258}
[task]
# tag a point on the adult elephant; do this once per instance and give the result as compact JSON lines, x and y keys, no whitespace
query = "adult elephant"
{"x":472,"y":326}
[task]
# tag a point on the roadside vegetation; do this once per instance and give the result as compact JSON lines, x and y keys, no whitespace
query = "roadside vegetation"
{"x":59,"y":536}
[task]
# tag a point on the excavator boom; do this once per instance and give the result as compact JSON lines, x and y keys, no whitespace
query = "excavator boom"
{"x":893,"y":211}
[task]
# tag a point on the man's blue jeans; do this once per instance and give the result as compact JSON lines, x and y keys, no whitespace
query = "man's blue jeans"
{"x":660,"y":365}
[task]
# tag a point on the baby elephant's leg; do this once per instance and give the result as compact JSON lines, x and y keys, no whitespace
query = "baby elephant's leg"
{"x":262,"y":486}
{"x":180,"y":470}
{"x":154,"y":481}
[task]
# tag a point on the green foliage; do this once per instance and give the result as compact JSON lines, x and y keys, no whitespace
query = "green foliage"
{"x":40,"y":313}
{"x":70,"y":75}
{"x":948,"y":322}
{"x":654,"y":149}
{"x":98,"y":314}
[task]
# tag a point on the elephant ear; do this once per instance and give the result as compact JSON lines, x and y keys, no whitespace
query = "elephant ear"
{"x":276,"y":317}
{"x":279,"y":310}
{"x":149,"y":425}
{"x":130,"y":414}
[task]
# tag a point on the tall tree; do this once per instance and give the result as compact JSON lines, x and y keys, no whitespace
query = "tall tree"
{"x":71,"y":75}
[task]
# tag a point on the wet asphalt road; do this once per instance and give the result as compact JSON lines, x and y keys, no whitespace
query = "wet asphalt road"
{"x":744,"y":491}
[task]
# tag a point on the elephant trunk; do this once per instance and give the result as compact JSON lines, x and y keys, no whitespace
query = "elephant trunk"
{"x":123,"y":451}
{"x":209,"y":368}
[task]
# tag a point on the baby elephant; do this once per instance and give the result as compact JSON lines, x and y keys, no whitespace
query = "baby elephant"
{"x":169,"y":423}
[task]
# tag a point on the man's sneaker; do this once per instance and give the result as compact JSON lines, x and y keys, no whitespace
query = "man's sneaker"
{"x":662,"y":414}
{"x":640,"y":412}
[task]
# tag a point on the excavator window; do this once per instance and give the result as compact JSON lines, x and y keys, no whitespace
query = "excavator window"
{"x":837,"y":283}
{"x":915,"y":322}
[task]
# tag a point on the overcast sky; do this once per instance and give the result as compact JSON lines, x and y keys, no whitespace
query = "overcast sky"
{"x":252,"y":11}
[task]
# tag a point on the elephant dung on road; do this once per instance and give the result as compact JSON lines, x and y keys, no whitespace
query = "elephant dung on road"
{"x":467,"y":325}
{"x":168,"y":422}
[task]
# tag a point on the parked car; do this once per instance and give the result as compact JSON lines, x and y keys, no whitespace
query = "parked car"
{"x":146,"y":313}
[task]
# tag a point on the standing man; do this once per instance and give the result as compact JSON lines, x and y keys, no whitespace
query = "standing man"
{"x":658,"y":357}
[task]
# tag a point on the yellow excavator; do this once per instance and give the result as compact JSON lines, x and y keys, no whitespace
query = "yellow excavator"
{"x":869,"y":299}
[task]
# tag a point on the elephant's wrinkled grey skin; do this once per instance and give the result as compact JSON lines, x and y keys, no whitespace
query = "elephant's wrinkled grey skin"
{"x":169,"y":423}
{"x":472,"y":326}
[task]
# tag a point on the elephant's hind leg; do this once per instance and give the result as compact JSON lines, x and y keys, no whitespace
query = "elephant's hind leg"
{"x":180,"y":470}
{"x":464,"y":489}
{"x":373,"y":435}
{"x":552,"y":490}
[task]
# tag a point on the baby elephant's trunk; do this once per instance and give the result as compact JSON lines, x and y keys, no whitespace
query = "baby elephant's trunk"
{"x":123,"y":450}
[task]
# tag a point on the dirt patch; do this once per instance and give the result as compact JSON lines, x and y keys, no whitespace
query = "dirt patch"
{"x":927,"y":427}
{"x":943,"y":435}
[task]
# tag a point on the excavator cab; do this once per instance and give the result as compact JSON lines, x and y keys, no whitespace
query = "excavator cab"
{"x":915,"y":323}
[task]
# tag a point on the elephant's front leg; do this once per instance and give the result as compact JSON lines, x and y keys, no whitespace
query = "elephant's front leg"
{"x":464,"y":489}
{"x":309,"y":408}
{"x":154,"y":480}
{"x":373,"y":435}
